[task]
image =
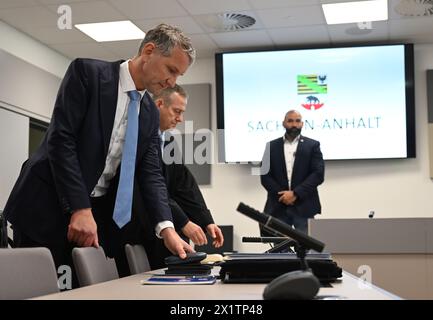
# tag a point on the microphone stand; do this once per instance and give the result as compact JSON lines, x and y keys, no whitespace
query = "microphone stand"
{"x":304,"y":278}
{"x":282,"y":246}
{"x":301,"y":253}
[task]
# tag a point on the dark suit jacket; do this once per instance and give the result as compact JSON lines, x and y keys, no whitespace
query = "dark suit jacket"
{"x":185,"y":198}
{"x":186,"y":202}
{"x":307,"y":174}
{"x":60,"y":176}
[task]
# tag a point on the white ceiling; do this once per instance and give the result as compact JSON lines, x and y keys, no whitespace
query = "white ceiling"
{"x":279,"y":23}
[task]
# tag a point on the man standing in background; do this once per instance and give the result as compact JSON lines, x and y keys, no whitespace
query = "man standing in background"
{"x":296,"y":169}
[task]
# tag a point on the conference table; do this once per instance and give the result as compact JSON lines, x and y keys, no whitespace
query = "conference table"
{"x":348,"y":287}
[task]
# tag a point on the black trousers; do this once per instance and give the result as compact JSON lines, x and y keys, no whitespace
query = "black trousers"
{"x":111,"y":238}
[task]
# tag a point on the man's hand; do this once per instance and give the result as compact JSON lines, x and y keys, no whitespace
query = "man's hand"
{"x":195,"y":233}
{"x":82,"y":229}
{"x":174,"y":243}
{"x":216,"y":234}
{"x":287,"y":197}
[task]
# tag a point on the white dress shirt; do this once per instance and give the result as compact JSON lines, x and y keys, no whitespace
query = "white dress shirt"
{"x":289,"y":156}
{"x":117,"y":139}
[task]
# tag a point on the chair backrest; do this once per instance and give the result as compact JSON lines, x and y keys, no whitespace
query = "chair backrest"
{"x":92,"y":266}
{"x":137,"y":258}
{"x":27,"y":273}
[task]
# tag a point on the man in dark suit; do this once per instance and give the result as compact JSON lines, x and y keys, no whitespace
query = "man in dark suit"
{"x":294,"y":169}
{"x":191,"y":216}
{"x":66,"y":192}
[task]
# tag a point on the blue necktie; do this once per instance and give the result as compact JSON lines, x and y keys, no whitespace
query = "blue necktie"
{"x":122,"y":208}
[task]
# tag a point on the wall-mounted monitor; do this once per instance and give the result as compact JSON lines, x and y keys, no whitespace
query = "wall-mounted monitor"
{"x":357,"y":101}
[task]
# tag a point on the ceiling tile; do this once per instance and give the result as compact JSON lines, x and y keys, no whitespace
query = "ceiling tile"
{"x":392,"y":14}
{"x":60,"y":2}
{"x":214,"y":6}
{"x":410,"y":27}
{"x":85,"y":50}
{"x":269,"y":4}
{"x":300,"y":35}
{"x":239,"y":39}
{"x":292,"y":17}
{"x":95,"y":11}
{"x":29,"y":16}
{"x":17,"y":3}
{"x":187,"y":24}
{"x":350,"y":32}
{"x":140,"y":10}
{"x":50,"y":35}
{"x":281,"y":23}
{"x":417,"y":39}
{"x":336,"y":1}
{"x":411,"y":8}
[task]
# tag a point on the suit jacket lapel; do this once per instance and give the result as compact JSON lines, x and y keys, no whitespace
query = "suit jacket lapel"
{"x":108,"y":91}
{"x":143,"y":121}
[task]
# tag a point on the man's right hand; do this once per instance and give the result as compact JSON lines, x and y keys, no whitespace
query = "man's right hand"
{"x":287,"y":197}
{"x":82,"y":229}
{"x":174,"y":243}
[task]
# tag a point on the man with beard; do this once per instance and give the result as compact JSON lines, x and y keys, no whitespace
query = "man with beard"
{"x":295,"y":168}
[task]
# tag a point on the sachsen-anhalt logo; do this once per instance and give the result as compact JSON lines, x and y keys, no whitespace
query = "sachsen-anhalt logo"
{"x":312,"y":85}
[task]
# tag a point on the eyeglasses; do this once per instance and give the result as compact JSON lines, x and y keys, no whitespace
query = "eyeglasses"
{"x":294,"y":120}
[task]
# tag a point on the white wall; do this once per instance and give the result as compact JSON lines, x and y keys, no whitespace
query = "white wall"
{"x":32,"y":51}
{"x":393,"y":188}
{"x":37,"y":69}
{"x":14,"y":130}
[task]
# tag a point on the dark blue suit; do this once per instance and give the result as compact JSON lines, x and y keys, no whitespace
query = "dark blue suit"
{"x":307,"y":174}
{"x":61,"y":175}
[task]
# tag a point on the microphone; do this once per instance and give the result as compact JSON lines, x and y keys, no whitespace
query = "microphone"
{"x":283,"y":228}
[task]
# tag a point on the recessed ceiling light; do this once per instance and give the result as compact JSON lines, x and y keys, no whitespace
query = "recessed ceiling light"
{"x":111,"y":31}
{"x":357,"y":11}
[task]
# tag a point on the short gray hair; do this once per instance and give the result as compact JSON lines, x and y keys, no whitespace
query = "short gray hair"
{"x":166,"y":93}
{"x":166,"y":37}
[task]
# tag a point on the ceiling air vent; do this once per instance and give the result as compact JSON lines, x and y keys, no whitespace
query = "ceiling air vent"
{"x":229,"y":21}
{"x":414,"y":8}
